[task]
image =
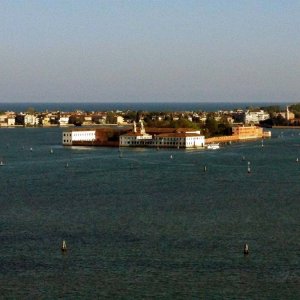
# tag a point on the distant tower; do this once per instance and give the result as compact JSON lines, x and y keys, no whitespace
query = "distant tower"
{"x":134,"y":126}
{"x":142,"y":127}
{"x":287,"y":113}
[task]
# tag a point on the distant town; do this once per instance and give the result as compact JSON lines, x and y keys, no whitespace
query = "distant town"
{"x":143,"y":128}
{"x":213,"y":123}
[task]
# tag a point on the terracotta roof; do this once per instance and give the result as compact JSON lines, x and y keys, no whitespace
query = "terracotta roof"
{"x":186,"y":129}
{"x":134,"y":134}
{"x":155,"y":130}
{"x":97,"y":129}
{"x":159,"y":130}
{"x":178,"y":134}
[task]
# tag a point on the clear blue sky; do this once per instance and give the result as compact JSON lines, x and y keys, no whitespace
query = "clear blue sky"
{"x":149,"y":51}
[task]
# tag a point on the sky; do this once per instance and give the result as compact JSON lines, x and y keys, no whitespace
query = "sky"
{"x":150,"y":51}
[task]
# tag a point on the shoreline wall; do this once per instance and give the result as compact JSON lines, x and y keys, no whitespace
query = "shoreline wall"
{"x":286,"y":127}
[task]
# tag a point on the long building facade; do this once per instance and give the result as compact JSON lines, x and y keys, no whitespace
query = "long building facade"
{"x":106,"y":136}
{"x":154,"y":137}
{"x":136,"y":137}
{"x":164,"y":140}
{"x":162,"y":137}
{"x":247,"y":132}
{"x":75,"y":135}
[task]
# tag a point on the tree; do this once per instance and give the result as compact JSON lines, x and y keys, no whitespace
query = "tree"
{"x":138,"y":116}
{"x":211,"y":125}
{"x":281,"y":121}
{"x":272,"y":109}
{"x":110,"y":117}
{"x":130,"y":116}
{"x":76,"y":120}
{"x":96,"y":119}
{"x":31,"y":110}
{"x":19,"y":120}
{"x":224,"y":129}
{"x":184,"y":123}
{"x":295,"y":107}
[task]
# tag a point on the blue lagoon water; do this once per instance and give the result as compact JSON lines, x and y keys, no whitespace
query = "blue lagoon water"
{"x":145,"y":226}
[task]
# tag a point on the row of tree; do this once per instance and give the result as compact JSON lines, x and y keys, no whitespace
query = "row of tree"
{"x":210,"y":127}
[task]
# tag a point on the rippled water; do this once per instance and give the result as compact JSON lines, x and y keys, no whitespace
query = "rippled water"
{"x":147,"y":226}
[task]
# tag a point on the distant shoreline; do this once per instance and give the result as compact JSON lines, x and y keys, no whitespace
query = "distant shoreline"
{"x":99,"y":125}
{"x":135,"y":106}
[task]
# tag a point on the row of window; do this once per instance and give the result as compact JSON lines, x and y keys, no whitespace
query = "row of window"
{"x":79,"y":133}
{"x":84,"y":134}
{"x":139,"y":143}
{"x":151,"y":143}
{"x":168,"y":143}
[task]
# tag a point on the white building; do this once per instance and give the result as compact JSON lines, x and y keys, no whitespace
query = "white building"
{"x":11,"y":120}
{"x":46,"y":121}
{"x":136,"y":138}
{"x":88,"y":120}
{"x":118,"y":120}
{"x":64,"y":120}
{"x":31,"y":120}
{"x":179,"y":140}
{"x":3,"y":120}
{"x":8,"y":119}
{"x":288,"y":115}
{"x":255,"y":117}
{"x":68,"y":137}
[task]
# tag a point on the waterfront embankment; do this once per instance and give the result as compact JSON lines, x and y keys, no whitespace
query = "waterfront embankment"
{"x":286,"y":127}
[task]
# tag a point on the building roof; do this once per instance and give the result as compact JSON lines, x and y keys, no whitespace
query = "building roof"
{"x":154,"y":130}
{"x":186,"y":129}
{"x":178,"y":134}
{"x":135,"y":134}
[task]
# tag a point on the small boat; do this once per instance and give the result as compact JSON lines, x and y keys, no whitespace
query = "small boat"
{"x":246,"y":249}
{"x":51,"y":151}
{"x":64,"y":246}
{"x":1,"y":163}
{"x":213,"y":146}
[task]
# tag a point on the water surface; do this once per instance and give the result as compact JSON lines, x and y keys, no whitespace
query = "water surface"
{"x":147,"y":226}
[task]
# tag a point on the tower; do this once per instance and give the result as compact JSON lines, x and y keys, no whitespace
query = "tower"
{"x":142,"y":127}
